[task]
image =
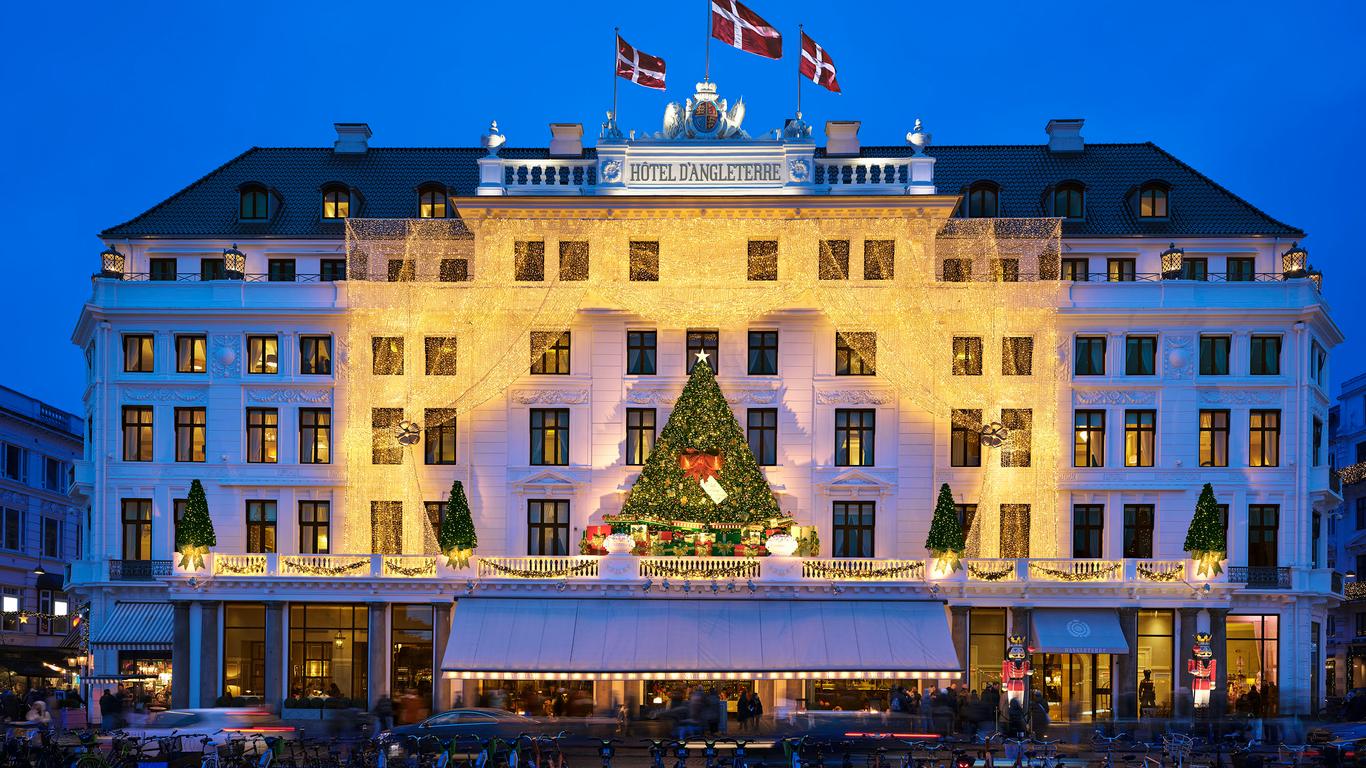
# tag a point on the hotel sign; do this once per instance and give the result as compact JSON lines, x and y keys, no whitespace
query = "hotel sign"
{"x":689,"y":172}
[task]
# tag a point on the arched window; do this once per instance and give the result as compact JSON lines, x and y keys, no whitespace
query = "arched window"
{"x":1069,"y":200}
{"x":983,"y":200}
{"x":431,"y":202}
{"x":336,"y":202}
{"x":1152,"y":201}
{"x":254,"y":204}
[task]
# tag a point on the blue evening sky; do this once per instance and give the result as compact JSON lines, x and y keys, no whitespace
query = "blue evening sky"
{"x":112,"y":107}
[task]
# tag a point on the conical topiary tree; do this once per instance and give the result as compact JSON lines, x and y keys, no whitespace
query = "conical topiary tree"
{"x":1206,"y":539}
{"x":946,"y":541}
{"x":701,"y":441}
{"x":457,"y":539}
{"x":194,"y":535}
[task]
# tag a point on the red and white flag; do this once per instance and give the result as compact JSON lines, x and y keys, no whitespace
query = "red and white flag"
{"x":639,"y":68}
{"x":817,"y":65}
{"x":737,"y":25}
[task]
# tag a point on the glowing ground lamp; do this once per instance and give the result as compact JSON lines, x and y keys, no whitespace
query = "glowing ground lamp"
{"x":1172,"y":259}
{"x":112,"y":263}
{"x":1295,"y":262}
{"x":234,"y":262}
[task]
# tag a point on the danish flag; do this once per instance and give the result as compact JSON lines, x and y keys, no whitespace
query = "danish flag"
{"x":639,"y":68}
{"x":736,"y":25}
{"x":817,"y":64}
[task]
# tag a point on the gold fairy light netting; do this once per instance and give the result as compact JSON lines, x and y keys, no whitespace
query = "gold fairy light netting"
{"x":957,"y":318}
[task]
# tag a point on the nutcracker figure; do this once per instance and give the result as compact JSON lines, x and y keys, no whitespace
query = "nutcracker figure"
{"x":1202,"y":669}
{"x":1015,"y":669}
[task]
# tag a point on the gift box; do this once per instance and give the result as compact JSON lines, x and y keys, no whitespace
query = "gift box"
{"x":599,"y":530}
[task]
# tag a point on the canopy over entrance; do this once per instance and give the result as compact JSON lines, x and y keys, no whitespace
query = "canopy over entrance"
{"x":655,"y":638}
{"x":1091,"y":630}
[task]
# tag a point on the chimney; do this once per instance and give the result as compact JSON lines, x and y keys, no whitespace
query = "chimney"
{"x":566,"y":139}
{"x":1064,"y":135}
{"x":841,"y":138}
{"x":351,"y":138}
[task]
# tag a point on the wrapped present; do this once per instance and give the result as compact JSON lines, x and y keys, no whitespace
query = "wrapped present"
{"x":599,"y":530}
{"x":666,"y":535}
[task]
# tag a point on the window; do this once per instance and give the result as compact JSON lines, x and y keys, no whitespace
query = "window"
{"x":54,"y":474}
{"x":178,"y":509}
{"x":1318,"y":363}
{"x":640,"y":435}
{"x":853,"y":529}
{"x":1214,"y":438}
{"x":1317,"y":445}
{"x":263,"y":435}
{"x":436,"y":513}
{"x":967,"y":356}
{"x":263,"y":354}
{"x":967,"y":515}
{"x":280,"y":270}
{"x":763,"y":260}
{"x":644,"y":255}
{"x":1241,"y":269}
{"x":1140,"y":438}
{"x":528,"y":258}
{"x":137,"y":529}
{"x":1014,"y":530}
{"x":573,"y":260}
{"x":137,"y":433}
{"x":855,"y":353}
{"x":454,"y":271}
{"x":703,"y":341}
{"x":1138,"y":530}
{"x":1194,"y":268}
{"x":965,"y":438}
{"x":1088,"y":527}
{"x":1264,"y":431}
{"x":1361,"y":522}
{"x":550,"y":436}
{"x":384,"y":445}
{"x":879,"y":259}
{"x":431,"y":202}
{"x":315,"y":522}
{"x":12,"y":534}
{"x":1140,"y":355}
{"x":315,"y":355}
{"x":253,"y":203}
{"x":1017,"y":451}
{"x":983,"y":200}
{"x":11,"y":603}
{"x":1005,"y":270}
{"x":336,"y":202}
{"x":1263,"y":525}
{"x":763,"y":353}
{"x":957,"y":270}
{"x":854,"y":436}
{"x":214,"y":268}
{"x":1069,"y":201}
{"x":1017,"y":356}
{"x":440,"y":355}
{"x":190,"y":424}
{"x":331,"y":270}
{"x":438,"y":440}
{"x":402,"y":270}
{"x":761,"y":429}
{"x":1266,"y":356}
{"x":547,"y":527}
{"x":1089,"y":439}
{"x":191,"y":354}
{"x":58,"y":607}
{"x":550,"y":350}
{"x":16,"y":461}
{"x":833,"y":263}
{"x":1121,"y":270}
{"x":261,"y":526}
{"x":1076,"y":270}
{"x":162,"y":270}
{"x":1152,"y":202}
{"x":137,"y":353}
{"x":1214,"y":355}
{"x":640,"y":353}
{"x":329,"y":644}
{"x":315,"y":436}
{"x":244,"y":650}
{"x":1090,"y":356}
{"x":386,"y":355}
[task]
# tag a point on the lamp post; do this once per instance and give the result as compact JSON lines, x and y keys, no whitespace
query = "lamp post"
{"x":234,"y":262}
{"x":1294,"y":262}
{"x":1172,"y":259}
{"x":112,"y":263}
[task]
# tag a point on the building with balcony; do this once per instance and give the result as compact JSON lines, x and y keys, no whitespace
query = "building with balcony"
{"x":1346,"y":641}
{"x":40,"y":530}
{"x":1075,"y":337}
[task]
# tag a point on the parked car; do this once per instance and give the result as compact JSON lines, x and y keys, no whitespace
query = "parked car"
{"x":191,"y":725}
{"x":476,"y":722}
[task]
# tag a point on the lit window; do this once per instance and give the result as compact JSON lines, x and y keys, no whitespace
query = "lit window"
{"x":1152,"y":202}
{"x":967,"y":356}
{"x":263,"y":435}
{"x":640,"y":435}
{"x":550,"y":352}
{"x":315,"y":355}
{"x":983,"y":200}
{"x":336,"y":202}
{"x":263,"y":354}
{"x":387,"y":354}
{"x":528,"y":260}
{"x":431,"y":202}
{"x":549,"y":436}
{"x":441,"y":355}
{"x":644,"y":258}
{"x":1214,"y":438}
{"x":834,"y":260}
{"x":1069,"y":201}
{"x":190,"y":354}
{"x":1088,"y":439}
{"x":763,"y":260}
{"x":137,"y":353}
{"x":1264,"y":433}
{"x":879,"y":259}
{"x":1140,"y":438}
{"x":855,"y":353}
{"x":384,"y":445}
{"x":190,"y":425}
{"x":438,"y":425}
{"x":254,"y":203}
{"x":573,"y":260}
{"x":854,"y":436}
{"x":1017,"y":356}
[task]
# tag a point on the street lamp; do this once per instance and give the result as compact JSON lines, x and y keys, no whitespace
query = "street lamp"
{"x":112,"y":263}
{"x":1171,"y":262}
{"x":234,"y":262}
{"x":1294,"y":262}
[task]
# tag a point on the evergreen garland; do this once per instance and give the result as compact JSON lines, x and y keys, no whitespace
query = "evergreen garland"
{"x":457,"y":538}
{"x":945,"y":540}
{"x":701,"y":420}
{"x":1206,"y":539}
{"x":195,"y":533}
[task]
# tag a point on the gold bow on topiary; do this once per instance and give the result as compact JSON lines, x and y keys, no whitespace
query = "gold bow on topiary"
{"x":192,"y":557}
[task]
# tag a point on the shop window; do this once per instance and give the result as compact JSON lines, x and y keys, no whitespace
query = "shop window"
{"x":244,"y":651}
{"x":986,"y":646}
{"x":1156,"y":672}
{"x":411,"y":638}
{"x":1253,"y":651}
{"x":329,"y":653}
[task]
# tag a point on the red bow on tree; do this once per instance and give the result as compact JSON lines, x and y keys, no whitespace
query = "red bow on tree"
{"x":699,"y":465}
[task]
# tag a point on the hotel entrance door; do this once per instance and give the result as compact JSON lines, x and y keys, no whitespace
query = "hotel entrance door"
{"x":1077,"y":686}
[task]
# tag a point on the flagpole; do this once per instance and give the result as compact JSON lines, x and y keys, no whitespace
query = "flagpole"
{"x":799,"y":71}
{"x":616,"y":35}
{"x":706,"y":67}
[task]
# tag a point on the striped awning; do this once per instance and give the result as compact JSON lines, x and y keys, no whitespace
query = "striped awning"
{"x":136,"y":626}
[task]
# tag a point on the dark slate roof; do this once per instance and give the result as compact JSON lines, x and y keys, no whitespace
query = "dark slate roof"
{"x":387,"y":180}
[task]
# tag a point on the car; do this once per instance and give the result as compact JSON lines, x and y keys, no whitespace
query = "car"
{"x":474,"y":722}
{"x":191,"y":725}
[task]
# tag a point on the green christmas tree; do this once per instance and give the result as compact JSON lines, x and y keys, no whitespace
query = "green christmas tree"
{"x":946,"y":541}
{"x":1206,"y":539}
{"x":457,"y":538}
{"x":195,"y":533}
{"x":701,"y":426}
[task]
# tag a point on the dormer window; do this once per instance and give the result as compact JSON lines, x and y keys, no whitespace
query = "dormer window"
{"x":983,"y":200}
{"x":1152,"y":201}
{"x":254,"y":204}
{"x":336,"y":202}
{"x":431,"y":202}
{"x":1069,"y":201}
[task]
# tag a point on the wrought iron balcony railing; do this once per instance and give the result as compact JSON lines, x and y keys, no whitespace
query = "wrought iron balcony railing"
{"x":138,"y":570}
{"x":1260,"y":576}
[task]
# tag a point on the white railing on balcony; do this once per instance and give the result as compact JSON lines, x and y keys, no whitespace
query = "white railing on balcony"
{"x":862,"y":173}
{"x":1160,"y":571}
{"x":990,"y":569}
{"x":408,"y":567}
{"x":864,"y":570}
{"x":699,"y":568}
{"x":1076,"y":570}
{"x":538,"y":567}
{"x":546,"y":176}
{"x":324,"y":565}
{"x":240,"y":565}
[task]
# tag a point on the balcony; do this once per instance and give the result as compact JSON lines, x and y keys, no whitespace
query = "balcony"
{"x":138,"y":570}
{"x":1260,"y":577}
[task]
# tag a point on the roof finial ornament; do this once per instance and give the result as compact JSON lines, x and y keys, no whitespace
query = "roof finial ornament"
{"x":610,"y":130}
{"x":918,"y":138}
{"x":493,"y":140}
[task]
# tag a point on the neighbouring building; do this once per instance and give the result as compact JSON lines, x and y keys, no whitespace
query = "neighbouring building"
{"x":1074,"y":336}
{"x":1345,"y":657}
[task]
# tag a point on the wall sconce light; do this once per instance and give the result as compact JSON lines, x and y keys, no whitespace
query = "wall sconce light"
{"x":112,"y":263}
{"x":1294,"y":262}
{"x":1171,"y":262}
{"x":234,"y":262}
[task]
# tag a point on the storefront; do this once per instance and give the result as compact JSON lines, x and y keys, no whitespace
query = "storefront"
{"x":244,"y":652}
{"x":1073,"y":662}
{"x":1253,"y":664}
{"x":410,"y":666}
{"x":1156,"y":662}
{"x":149,"y":678}
{"x":539,"y":698}
{"x":328,"y":653}
{"x":986,"y":646}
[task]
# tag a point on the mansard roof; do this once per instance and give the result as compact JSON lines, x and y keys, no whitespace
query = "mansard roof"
{"x":387,"y":180}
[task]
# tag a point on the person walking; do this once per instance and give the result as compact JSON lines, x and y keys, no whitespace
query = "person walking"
{"x":384,"y":714}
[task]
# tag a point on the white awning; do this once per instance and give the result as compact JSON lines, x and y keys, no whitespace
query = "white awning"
{"x":1086,"y":630}
{"x":136,"y":626}
{"x":649,"y":637}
